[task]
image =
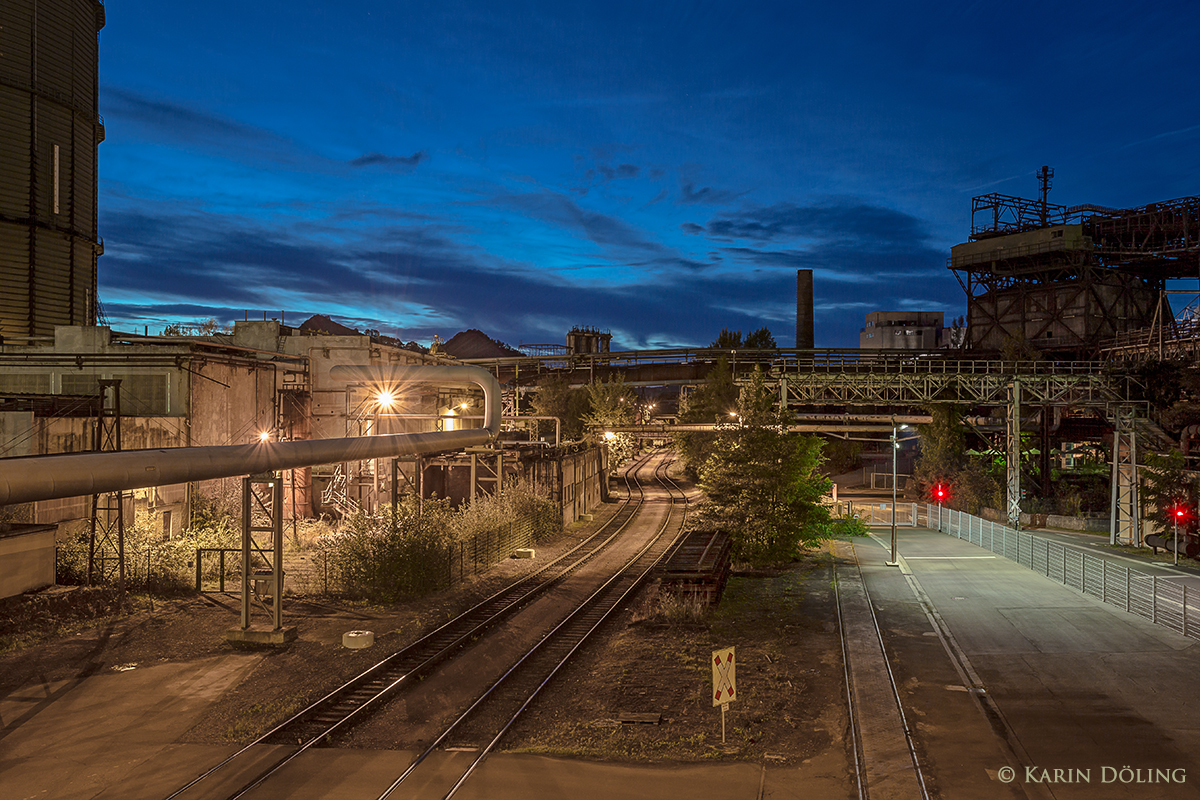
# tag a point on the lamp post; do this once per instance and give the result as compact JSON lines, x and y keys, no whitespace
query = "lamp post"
{"x":895,"y":446}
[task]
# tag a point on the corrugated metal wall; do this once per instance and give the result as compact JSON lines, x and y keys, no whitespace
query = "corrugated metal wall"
{"x":49,"y":132}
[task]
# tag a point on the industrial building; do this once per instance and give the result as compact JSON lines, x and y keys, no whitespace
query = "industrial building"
{"x":1067,"y":278}
{"x":903,"y":330}
{"x":263,"y":379}
{"x":50,"y":131}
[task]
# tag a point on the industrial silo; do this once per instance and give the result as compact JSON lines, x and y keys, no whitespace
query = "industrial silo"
{"x":49,"y":131}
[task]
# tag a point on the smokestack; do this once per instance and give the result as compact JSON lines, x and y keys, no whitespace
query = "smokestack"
{"x":804,"y":309}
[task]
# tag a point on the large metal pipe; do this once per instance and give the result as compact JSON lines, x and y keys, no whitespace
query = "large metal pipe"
{"x":29,"y":478}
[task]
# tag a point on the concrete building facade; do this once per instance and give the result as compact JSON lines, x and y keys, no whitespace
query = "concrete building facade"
{"x":903,"y":330}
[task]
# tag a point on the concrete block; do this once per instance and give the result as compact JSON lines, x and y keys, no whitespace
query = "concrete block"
{"x":358,"y":640}
{"x":524,"y":552}
{"x":261,"y":634}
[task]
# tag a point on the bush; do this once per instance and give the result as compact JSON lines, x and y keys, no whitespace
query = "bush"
{"x":152,"y":563}
{"x":409,"y":551}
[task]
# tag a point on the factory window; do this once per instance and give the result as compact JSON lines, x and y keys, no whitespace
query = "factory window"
{"x":1056,"y":234}
{"x":24,"y":383}
{"x":141,"y":395}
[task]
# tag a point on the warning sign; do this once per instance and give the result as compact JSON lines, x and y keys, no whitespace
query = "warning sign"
{"x":724,"y":677}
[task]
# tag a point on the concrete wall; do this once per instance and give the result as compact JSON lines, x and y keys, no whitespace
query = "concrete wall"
{"x":1088,"y":524}
{"x":27,"y":556}
{"x":582,"y":477}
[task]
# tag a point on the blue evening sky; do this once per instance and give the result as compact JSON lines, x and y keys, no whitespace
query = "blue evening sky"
{"x":656,"y":169}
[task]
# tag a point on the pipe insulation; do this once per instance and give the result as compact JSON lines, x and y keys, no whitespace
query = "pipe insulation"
{"x":25,"y":479}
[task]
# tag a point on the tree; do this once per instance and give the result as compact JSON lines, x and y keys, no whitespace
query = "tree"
{"x":711,"y":402}
{"x":715,"y":398}
{"x":727,"y":340}
{"x":944,"y":460}
{"x":760,"y":339}
{"x":612,"y":404}
{"x":764,"y":484}
{"x":556,"y":398}
{"x":1166,"y":486}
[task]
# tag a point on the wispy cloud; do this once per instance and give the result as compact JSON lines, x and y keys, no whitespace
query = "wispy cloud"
{"x":381,"y":160}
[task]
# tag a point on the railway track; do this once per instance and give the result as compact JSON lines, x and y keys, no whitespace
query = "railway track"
{"x":354,"y":701}
{"x":859,"y":710}
{"x":495,"y":712}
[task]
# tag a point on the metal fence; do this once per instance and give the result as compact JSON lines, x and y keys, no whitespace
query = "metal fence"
{"x":1161,"y":601}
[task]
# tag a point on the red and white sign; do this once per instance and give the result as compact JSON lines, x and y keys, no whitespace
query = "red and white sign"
{"x":724,"y":677}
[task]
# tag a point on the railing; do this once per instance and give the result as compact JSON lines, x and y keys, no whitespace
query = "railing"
{"x":1162,"y":602}
{"x":231,"y":568}
{"x":877,"y":513}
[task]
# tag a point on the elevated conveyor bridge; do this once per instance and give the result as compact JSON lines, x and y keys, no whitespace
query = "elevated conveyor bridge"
{"x":898,"y":380}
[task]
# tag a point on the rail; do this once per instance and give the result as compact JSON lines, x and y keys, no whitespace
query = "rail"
{"x":1160,"y":601}
{"x":362,"y":695}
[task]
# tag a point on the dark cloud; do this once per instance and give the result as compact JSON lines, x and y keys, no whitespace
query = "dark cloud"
{"x":608,"y":231}
{"x":415,"y":278}
{"x":691,"y":228}
{"x":619,"y":171}
{"x":690,"y":195}
{"x":170,"y":118}
{"x":379,"y":159}
{"x":845,"y":221}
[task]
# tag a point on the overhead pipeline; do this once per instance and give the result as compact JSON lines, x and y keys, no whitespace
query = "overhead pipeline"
{"x":28,"y":478}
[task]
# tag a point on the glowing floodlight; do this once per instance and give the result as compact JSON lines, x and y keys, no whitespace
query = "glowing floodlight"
{"x":264,"y":436}
{"x":386,"y":399}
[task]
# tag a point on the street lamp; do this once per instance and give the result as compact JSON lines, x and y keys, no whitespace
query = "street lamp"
{"x":895,"y":447}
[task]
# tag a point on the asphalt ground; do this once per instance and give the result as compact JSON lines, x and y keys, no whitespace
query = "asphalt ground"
{"x":1074,"y":696}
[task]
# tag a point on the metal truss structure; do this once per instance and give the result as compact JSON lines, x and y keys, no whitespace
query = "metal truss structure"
{"x":1064,"y":278}
{"x":262,"y":568}
{"x":1125,"y":525}
{"x":916,"y":380}
{"x":882,"y":379}
{"x":1012,"y":441}
{"x":106,"y":543}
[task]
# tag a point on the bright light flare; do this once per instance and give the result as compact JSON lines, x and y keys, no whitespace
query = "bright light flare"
{"x":609,"y":435}
{"x":386,"y":399}
{"x":264,"y":436}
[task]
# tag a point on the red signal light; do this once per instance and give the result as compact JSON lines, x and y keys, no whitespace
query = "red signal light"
{"x":941,"y":493}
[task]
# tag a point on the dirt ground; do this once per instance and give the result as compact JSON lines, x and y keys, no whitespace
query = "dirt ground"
{"x":790,"y":704}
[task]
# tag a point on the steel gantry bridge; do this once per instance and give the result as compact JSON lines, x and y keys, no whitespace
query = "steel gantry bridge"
{"x":850,"y":380}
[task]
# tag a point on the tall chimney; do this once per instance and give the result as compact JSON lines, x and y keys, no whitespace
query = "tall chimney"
{"x":804,"y":309}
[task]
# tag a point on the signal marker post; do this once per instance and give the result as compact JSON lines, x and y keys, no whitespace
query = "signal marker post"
{"x":724,"y":682}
